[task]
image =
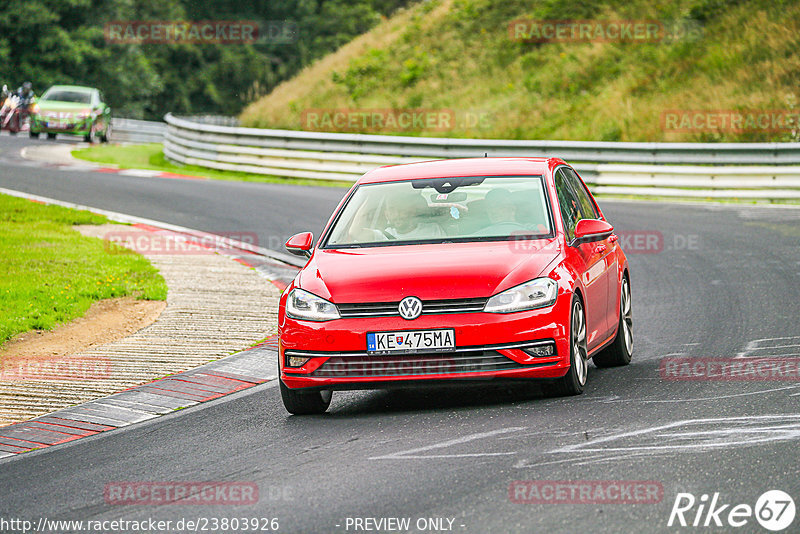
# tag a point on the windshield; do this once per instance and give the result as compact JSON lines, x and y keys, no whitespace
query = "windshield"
{"x":442,"y":209}
{"x":78,"y":97}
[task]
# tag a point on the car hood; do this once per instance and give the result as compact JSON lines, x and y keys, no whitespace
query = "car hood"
{"x":430,"y":272}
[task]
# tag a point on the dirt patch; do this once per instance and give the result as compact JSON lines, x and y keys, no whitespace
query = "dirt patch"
{"x":105,"y":321}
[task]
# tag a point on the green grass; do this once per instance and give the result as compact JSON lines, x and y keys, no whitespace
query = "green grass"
{"x":151,"y":157}
{"x":51,"y":274}
{"x":458,"y":55}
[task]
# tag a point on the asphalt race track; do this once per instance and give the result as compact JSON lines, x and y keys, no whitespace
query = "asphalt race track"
{"x":707,"y":281}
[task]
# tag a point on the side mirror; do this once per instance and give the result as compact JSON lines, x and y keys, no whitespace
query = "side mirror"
{"x":588,"y":230}
{"x":300,"y":244}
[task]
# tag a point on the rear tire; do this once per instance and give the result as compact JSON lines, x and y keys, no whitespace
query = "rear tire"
{"x":621,"y":349}
{"x":15,"y":125}
{"x":574,"y":381}
{"x":51,"y":136}
{"x":106,"y":135}
{"x":299,"y":402}
{"x":34,"y":135}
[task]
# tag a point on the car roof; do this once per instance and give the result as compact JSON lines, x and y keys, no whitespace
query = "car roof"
{"x":81,"y":88}
{"x":460,"y":167}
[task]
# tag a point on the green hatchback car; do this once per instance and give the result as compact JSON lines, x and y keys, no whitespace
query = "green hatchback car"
{"x":72,"y":109}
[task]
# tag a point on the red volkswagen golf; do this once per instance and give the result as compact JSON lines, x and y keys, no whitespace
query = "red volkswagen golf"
{"x":467,"y":270}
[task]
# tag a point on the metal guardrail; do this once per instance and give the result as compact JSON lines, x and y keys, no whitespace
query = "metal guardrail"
{"x":741,"y":170}
{"x":137,"y":131}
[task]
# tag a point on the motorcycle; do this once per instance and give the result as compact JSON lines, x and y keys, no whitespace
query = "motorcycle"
{"x":13,"y":114}
{"x":5,"y":107}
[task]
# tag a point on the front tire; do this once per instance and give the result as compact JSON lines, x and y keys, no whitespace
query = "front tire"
{"x":574,"y":381}
{"x":299,"y":402}
{"x":51,"y":136}
{"x":621,"y":349}
{"x":89,"y":137}
{"x":34,"y":135}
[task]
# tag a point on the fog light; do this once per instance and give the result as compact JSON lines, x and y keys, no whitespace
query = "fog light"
{"x":296,"y":361}
{"x":539,"y":351}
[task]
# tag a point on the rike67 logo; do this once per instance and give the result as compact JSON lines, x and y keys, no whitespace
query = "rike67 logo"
{"x":774,"y":510}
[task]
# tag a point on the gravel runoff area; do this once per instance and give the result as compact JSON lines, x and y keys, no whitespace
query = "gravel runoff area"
{"x":215,"y":306}
{"x":57,"y":154}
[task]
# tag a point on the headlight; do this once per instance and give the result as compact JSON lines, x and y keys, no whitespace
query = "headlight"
{"x":304,"y":305}
{"x":538,"y":293}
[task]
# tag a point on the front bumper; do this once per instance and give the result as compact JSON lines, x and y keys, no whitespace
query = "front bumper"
{"x":488,"y":346}
{"x":72,"y":127}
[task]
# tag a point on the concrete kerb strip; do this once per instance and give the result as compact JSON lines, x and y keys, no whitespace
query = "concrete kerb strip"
{"x":221,"y":377}
{"x":141,"y":403}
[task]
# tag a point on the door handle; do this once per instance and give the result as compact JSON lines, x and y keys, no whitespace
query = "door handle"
{"x":599,"y":248}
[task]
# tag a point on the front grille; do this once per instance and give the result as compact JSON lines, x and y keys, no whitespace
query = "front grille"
{"x":415,"y":364}
{"x":429,"y":307}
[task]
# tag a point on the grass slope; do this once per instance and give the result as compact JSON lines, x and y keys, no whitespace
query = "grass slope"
{"x":51,"y":274}
{"x":458,"y":55}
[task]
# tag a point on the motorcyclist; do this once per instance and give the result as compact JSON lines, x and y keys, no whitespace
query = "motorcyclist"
{"x":26,"y":95}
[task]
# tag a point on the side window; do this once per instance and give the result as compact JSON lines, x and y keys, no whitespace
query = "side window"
{"x":568,"y":203}
{"x":587,"y":206}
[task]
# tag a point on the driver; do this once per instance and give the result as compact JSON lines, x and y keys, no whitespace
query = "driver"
{"x":500,"y":206}
{"x":406,"y":218}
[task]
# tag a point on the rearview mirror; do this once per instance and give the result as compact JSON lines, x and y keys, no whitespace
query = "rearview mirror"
{"x":300,"y":244}
{"x":589,"y":230}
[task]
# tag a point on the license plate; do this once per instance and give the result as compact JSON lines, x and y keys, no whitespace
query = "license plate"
{"x":411,"y":341}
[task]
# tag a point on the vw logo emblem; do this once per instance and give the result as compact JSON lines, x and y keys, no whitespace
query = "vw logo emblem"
{"x":410,"y":308}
